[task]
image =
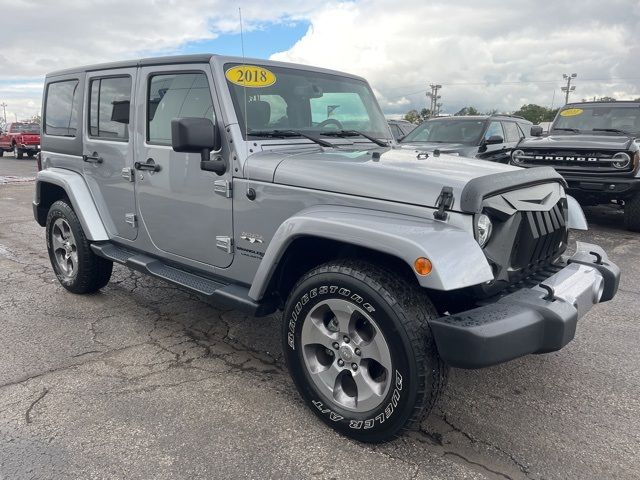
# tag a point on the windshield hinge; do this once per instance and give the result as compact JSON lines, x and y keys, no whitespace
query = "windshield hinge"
{"x":444,"y":202}
{"x":223,"y":187}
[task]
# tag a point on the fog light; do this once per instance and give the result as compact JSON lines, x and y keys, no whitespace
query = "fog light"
{"x":484,"y":228}
{"x":422,"y":266}
{"x":516,"y":157}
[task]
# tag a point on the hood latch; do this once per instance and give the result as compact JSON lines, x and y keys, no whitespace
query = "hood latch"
{"x":444,"y":202}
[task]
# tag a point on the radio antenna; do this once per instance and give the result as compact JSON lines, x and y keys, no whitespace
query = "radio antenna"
{"x":246,"y":110}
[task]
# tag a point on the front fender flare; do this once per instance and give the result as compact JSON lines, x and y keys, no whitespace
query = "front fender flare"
{"x":458,"y":260}
{"x":81,"y":200}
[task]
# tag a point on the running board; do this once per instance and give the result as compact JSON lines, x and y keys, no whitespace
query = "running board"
{"x":232,"y":295}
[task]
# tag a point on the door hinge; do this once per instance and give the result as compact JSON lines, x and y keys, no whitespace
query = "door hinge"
{"x":444,"y":202}
{"x":128,"y":174}
{"x":223,"y":187}
{"x":225,"y":243}
{"x":131,"y":219}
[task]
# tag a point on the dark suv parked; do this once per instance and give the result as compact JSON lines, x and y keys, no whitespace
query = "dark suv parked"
{"x":489,"y":137}
{"x":595,"y":147}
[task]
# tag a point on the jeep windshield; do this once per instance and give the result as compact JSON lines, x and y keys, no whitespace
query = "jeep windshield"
{"x":278,"y":102}
{"x":27,"y":128}
{"x":599,"y":119}
{"x":466,"y":131}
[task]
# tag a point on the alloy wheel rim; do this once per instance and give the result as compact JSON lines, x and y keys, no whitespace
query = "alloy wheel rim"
{"x":65,"y":250}
{"x":346,"y":355}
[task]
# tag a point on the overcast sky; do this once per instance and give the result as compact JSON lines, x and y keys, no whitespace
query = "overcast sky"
{"x":489,"y":54}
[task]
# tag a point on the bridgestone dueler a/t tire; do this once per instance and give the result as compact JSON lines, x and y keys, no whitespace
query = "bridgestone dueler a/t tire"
{"x":93,"y":272}
{"x":632,"y":214}
{"x":402,"y":311}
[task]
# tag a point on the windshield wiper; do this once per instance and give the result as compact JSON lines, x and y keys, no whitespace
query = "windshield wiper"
{"x":613,"y":130}
{"x":289,"y":134}
{"x":354,"y":133}
{"x":575,"y":130}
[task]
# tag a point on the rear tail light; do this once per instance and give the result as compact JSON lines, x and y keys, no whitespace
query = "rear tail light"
{"x":39,"y":161}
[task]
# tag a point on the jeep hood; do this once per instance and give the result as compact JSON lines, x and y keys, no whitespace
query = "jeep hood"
{"x":397,"y":175}
{"x":578,"y":142}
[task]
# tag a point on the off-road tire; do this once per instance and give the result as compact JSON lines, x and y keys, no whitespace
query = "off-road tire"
{"x":17,"y":152}
{"x":632,"y":213}
{"x":402,"y":311}
{"x":93,"y":272}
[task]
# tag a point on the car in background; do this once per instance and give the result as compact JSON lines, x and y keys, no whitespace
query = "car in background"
{"x":594,"y":146}
{"x":400,"y":128}
{"x":488,"y":137}
{"x":20,"y":138}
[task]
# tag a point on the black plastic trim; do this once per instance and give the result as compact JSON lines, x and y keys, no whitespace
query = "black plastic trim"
{"x":479,"y":188}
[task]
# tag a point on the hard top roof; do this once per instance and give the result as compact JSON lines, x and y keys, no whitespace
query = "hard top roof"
{"x":194,"y":58}
{"x":623,"y":103}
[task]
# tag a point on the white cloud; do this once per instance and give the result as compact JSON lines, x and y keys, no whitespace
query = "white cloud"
{"x":475,"y":48}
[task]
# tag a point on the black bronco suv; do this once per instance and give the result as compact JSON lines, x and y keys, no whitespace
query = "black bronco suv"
{"x":594,"y":145}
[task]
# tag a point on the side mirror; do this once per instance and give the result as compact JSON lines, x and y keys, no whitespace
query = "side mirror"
{"x":198,"y":135}
{"x":536,"y":130}
{"x":494,"y":139}
{"x":120,"y":111}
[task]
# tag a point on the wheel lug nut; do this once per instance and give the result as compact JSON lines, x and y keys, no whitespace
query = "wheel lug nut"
{"x":358,"y":351}
{"x":340,"y":362}
{"x":354,"y":366}
{"x":336,"y":345}
{"x":346,"y":339}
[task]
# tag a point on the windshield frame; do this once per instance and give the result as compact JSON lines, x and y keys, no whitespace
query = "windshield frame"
{"x":370,"y":104}
{"x":420,"y":128}
{"x":564,"y":128}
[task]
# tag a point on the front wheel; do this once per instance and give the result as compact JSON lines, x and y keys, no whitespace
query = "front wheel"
{"x":632,"y":213}
{"x":359,"y":348}
{"x":17,"y":152}
{"x":78,"y":269}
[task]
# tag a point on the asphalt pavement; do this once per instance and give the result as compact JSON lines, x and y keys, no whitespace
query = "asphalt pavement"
{"x":143,"y":380}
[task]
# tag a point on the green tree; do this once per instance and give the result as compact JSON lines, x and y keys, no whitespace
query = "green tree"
{"x":467,"y":111}
{"x":416,"y":117}
{"x":536,"y":113}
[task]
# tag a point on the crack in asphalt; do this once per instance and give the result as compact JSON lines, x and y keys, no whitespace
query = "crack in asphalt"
{"x":27,"y":414}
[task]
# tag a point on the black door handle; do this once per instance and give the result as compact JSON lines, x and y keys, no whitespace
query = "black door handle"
{"x":93,"y":158}
{"x":150,"y":166}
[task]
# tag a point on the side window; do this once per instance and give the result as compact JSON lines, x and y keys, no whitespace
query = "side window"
{"x":60,"y":114}
{"x":395,"y":129}
{"x":495,"y":128}
{"x":109,"y":105}
{"x":524,"y":129}
{"x":511,"y":131}
{"x":176,"y":95}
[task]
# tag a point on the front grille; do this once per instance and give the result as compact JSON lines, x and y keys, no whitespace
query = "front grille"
{"x":582,"y":161}
{"x":540,"y":239}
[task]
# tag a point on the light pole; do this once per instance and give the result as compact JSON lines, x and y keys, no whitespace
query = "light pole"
{"x":569,"y":88}
{"x":4,"y":108}
{"x":434,"y":98}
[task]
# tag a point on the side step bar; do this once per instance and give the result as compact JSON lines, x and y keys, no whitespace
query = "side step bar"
{"x":232,"y":295}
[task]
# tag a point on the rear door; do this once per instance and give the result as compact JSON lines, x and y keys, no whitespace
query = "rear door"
{"x":108,"y":148}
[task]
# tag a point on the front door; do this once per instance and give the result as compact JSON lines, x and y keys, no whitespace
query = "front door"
{"x":497,"y":152}
{"x":108,"y":148}
{"x":180,"y":207}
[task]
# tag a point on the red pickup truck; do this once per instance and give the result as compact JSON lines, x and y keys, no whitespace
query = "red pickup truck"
{"x":20,"y":138}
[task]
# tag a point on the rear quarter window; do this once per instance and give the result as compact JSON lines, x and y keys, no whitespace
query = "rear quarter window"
{"x":60,"y":112}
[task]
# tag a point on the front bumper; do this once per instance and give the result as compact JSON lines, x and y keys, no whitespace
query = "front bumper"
{"x":530,"y":320}
{"x":602,"y":186}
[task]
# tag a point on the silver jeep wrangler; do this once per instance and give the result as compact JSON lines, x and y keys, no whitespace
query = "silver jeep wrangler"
{"x":270,"y":186}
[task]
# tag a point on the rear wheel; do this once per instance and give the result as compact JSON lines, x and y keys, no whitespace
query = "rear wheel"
{"x":359,"y":348}
{"x":78,"y":269}
{"x":632,"y":213}
{"x":17,"y":152}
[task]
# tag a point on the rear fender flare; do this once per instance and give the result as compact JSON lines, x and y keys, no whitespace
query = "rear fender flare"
{"x":81,"y":200}
{"x":457,"y":259}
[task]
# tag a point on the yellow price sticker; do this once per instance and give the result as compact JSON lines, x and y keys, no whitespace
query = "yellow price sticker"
{"x":571,"y":112}
{"x":250,"y":76}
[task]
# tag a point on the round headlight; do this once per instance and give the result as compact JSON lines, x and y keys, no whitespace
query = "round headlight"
{"x":484,"y":228}
{"x":516,"y":156}
{"x":623,"y":160}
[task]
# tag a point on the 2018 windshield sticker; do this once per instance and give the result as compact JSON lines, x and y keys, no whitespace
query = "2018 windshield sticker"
{"x":571,"y":112}
{"x":250,"y":76}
